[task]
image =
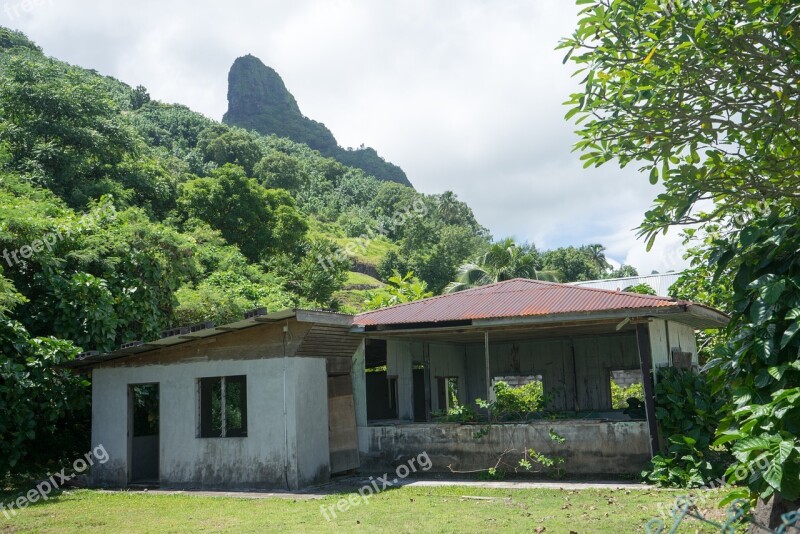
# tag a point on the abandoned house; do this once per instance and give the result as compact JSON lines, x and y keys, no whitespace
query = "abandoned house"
{"x":286,"y":399}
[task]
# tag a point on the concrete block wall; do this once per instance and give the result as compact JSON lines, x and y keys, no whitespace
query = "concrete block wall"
{"x":279,"y":452}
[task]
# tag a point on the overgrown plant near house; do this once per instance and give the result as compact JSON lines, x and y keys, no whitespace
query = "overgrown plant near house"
{"x":456,"y":414}
{"x":43,"y":408}
{"x":516,"y":404}
{"x":552,"y":464}
{"x":688,"y":408}
{"x":520,"y":405}
{"x":761,"y":361}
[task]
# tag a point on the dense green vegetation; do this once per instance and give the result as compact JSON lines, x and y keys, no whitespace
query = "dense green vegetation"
{"x":703,"y":96}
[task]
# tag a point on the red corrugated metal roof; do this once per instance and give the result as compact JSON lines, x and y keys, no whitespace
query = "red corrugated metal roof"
{"x":512,"y":298}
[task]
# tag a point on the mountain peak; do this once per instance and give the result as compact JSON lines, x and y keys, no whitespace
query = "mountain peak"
{"x":259,"y":100}
{"x":254,"y":87}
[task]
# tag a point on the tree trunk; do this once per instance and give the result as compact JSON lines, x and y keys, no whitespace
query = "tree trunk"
{"x":769,"y":513}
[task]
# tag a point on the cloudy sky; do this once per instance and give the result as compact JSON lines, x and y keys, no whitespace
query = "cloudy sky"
{"x":464,"y":95}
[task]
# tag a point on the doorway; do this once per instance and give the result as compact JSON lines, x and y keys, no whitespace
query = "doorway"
{"x":143,"y":433}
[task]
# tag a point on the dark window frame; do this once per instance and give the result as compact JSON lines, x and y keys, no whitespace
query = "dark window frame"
{"x":206,"y":392}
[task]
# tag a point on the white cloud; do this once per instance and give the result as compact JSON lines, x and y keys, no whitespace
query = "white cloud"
{"x":465,"y":95}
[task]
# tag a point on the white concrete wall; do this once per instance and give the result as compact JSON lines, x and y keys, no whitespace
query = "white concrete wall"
{"x":659,"y":347}
{"x":258,"y":460}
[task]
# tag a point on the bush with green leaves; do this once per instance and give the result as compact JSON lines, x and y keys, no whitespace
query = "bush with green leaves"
{"x":688,"y":411}
{"x":398,"y":290}
{"x":512,"y":404}
{"x":44,"y":408}
{"x":456,"y":414}
{"x":727,"y":159}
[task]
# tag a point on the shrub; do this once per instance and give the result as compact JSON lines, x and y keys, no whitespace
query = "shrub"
{"x":688,"y":412}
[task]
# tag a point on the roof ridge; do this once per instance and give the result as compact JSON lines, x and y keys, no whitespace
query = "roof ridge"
{"x":435,"y":297}
{"x":608,"y":291}
{"x":531,"y":282}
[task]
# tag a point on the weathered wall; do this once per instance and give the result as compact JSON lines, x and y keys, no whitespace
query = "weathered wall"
{"x":400,"y":358}
{"x":591,"y":447}
{"x":575,"y":371}
{"x":257,"y":461}
{"x":359,"y":376}
{"x":666,"y":336}
{"x":447,"y":361}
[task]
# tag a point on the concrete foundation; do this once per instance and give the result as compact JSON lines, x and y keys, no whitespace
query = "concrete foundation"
{"x":590,"y":447}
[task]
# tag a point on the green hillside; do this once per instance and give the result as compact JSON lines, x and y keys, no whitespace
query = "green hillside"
{"x":122,"y":216}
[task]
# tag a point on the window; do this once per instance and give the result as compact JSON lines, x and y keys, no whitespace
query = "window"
{"x":626,"y":384}
{"x":447,"y":389}
{"x":145,"y":410}
{"x":223,"y":407}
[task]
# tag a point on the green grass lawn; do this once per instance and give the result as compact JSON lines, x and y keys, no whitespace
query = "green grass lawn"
{"x":407,"y":509}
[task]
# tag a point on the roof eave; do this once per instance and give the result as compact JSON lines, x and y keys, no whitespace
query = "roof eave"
{"x":701,"y":317}
{"x":303,"y":316}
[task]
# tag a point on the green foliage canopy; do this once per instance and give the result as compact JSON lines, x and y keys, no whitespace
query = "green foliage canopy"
{"x":260,"y":221}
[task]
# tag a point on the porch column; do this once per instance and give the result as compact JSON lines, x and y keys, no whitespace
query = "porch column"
{"x":646,"y":360}
{"x":359,"y":378}
{"x":488,"y":374}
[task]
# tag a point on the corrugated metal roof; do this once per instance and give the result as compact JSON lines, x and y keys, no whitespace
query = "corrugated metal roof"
{"x":252,"y":319}
{"x":513,"y":298}
{"x":659,"y":282}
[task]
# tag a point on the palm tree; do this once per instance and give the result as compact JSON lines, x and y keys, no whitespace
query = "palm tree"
{"x":597,"y":257}
{"x":503,"y":261}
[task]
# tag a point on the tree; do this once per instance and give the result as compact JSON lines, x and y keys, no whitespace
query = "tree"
{"x":398,"y":290}
{"x":222,"y":145}
{"x":597,"y":255}
{"x":624,"y":271}
{"x":39,"y":399}
{"x":139,"y":97}
{"x":315,"y":271}
{"x":258,"y":220}
{"x":701,"y":94}
{"x":573,"y":264}
{"x":704,"y":97}
{"x":642,"y":289}
{"x":504,"y":260}
{"x":61,"y":126}
{"x":278,"y":170}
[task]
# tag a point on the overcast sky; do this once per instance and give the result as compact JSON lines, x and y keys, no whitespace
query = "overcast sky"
{"x":464,"y":95}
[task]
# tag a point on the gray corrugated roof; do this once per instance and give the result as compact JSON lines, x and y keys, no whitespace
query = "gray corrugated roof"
{"x":659,"y":282}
